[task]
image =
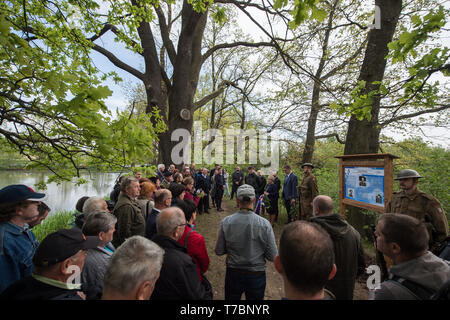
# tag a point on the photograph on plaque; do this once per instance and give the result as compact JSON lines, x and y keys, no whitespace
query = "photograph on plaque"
{"x":365,"y":184}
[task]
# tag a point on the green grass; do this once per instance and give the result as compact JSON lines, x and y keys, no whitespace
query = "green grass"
{"x":54,"y":222}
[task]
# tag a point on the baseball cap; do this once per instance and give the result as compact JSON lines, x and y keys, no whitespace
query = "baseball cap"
{"x":246,"y":192}
{"x":62,"y":244}
{"x":19,"y":192}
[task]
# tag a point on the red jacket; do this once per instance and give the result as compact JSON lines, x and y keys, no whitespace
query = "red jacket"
{"x":190,"y":196}
{"x":196,"y":249}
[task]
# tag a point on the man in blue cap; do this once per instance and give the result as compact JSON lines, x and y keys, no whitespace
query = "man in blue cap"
{"x":18,"y":208}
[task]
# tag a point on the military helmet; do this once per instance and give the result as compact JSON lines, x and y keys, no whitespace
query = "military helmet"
{"x":407,"y":173}
{"x":308,"y":164}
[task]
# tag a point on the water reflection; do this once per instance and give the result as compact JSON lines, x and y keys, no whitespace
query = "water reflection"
{"x":65,"y":195}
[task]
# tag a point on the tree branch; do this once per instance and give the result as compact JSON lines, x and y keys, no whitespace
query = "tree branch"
{"x":329,"y":136}
{"x":415,"y":114}
{"x":165,"y":35}
{"x":212,"y":95}
{"x":346,"y":62}
{"x":210,"y":51}
{"x":117,"y":62}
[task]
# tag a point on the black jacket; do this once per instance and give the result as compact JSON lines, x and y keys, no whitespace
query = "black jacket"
{"x":31,"y":289}
{"x":348,"y":253}
{"x":253,"y":180}
{"x":203,"y":183}
{"x":277,"y":182}
{"x":114,"y":195}
{"x":219,"y":181}
{"x":178,"y":278}
{"x":237,"y":176}
{"x":261,"y":185}
{"x":150,"y":226}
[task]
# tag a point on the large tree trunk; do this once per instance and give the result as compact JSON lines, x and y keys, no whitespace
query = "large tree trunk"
{"x":185,"y":78}
{"x":363,"y":135}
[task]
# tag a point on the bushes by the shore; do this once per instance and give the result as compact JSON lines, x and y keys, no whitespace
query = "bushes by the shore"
{"x":54,"y":222}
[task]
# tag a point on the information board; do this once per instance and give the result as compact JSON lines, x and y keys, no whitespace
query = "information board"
{"x":365,"y":184}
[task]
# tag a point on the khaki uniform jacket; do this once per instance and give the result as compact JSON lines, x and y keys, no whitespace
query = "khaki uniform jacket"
{"x":130,"y":221}
{"x":424,"y":207}
{"x":307,"y":191}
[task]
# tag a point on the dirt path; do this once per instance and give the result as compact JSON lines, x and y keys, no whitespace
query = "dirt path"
{"x":208,"y":225}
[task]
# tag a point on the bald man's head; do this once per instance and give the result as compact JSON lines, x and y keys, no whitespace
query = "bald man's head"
{"x":322,"y":205}
{"x":169,"y":220}
{"x":307,"y":256}
{"x":161,"y":198}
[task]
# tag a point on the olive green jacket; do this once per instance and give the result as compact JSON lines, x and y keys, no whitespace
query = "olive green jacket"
{"x":130,"y":221}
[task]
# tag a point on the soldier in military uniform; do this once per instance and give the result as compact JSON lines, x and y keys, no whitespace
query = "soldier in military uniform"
{"x":420,"y":205}
{"x":307,"y":191}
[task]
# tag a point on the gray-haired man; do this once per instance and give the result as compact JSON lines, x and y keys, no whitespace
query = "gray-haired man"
{"x":248,"y":241}
{"x":133,"y":270}
{"x":179,"y":279}
{"x":100,"y":224}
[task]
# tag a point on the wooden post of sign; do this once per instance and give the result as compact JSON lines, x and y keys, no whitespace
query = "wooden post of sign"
{"x":388,"y":180}
{"x":341,"y":188}
{"x":372,"y":160}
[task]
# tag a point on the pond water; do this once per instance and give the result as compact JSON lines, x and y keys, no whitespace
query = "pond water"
{"x":65,"y":195}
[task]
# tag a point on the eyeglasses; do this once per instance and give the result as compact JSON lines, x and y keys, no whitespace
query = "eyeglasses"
{"x":181,"y":225}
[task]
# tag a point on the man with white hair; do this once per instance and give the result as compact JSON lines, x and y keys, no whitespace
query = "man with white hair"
{"x":94,"y":204}
{"x":248,"y":240}
{"x":133,"y":270}
{"x":160,"y":172}
{"x":179,"y":279}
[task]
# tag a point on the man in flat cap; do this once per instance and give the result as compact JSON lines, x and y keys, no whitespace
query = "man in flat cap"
{"x":18,"y":209}
{"x":248,"y":240}
{"x":307,"y":191}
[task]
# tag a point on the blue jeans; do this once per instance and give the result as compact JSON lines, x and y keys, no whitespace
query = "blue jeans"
{"x":237,"y":282}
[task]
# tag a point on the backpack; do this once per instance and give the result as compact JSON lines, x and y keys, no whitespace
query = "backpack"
{"x":422,"y":293}
{"x":443,"y":293}
{"x":443,"y":251}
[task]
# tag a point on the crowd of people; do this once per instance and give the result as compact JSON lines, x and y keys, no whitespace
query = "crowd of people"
{"x":143,"y":243}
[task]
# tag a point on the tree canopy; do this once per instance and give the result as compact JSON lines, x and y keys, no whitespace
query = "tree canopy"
{"x":304,"y":75}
